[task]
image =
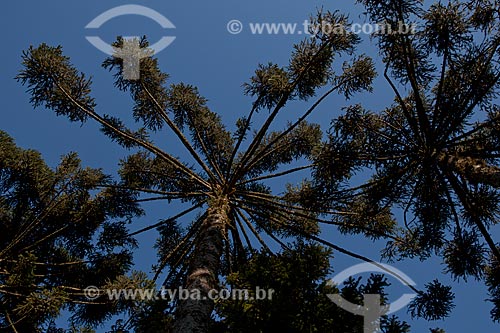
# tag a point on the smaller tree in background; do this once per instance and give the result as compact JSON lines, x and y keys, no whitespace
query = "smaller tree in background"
{"x":298,"y":303}
{"x":60,"y":233}
{"x":298,"y":276}
{"x":435,"y":151}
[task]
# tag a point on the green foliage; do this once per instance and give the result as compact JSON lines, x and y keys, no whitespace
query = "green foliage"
{"x":433,"y":304}
{"x":465,"y":256}
{"x":318,"y":73}
{"x":54,"y":83}
{"x":393,"y":325}
{"x":432,"y":153}
{"x":143,"y":171}
{"x":152,"y":83}
{"x":356,"y":76}
{"x":62,"y":230}
{"x":269,"y":84}
{"x":119,"y":133}
{"x":287,"y":147}
{"x":493,"y":284}
{"x":310,"y":67}
{"x":208,"y":134}
{"x":299,"y":302}
{"x":428,"y":160}
{"x":224,"y":175}
{"x":445,"y":28}
{"x":437,"y":330}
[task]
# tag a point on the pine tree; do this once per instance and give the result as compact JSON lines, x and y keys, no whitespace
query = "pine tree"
{"x":434,"y":151}
{"x":61,"y":232}
{"x":298,"y":278}
{"x":225,"y":182}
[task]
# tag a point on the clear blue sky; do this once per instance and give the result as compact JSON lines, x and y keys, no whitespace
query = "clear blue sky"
{"x":203,"y":54}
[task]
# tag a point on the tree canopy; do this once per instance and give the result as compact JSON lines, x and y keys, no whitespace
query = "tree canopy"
{"x":432,"y":155}
{"x":434,"y":151}
{"x":61,"y":232}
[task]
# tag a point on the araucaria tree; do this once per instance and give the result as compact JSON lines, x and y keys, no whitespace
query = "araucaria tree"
{"x":435,"y":151}
{"x":225,"y":181}
{"x":51,"y":221}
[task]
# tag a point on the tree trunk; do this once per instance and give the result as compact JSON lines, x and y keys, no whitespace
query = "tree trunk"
{"x":193,"y":314}
{"x":473,"y":169}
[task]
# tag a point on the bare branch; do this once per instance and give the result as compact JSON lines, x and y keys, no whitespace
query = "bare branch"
{"x":173,"y":218}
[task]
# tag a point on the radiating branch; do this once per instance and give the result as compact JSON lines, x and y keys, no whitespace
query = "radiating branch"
{"x":278,"y":201}
{"x":242,"y":137}
{"x":173,"y":218}
{"x":243,"y":231}
{"x":152,"y":148}
{"x":311,"y":109}
{"x":193,"y":230}
{"x":340,"y":249}
{"x":464,"y":199}
{"x":181,"y":136}
{"x":268,"y":232}
{"x":408,"y":115}
{"x":281,"y":103}
{"x":255,"y":232}
{"x":274,"y":175}
{"x":300,"y":214}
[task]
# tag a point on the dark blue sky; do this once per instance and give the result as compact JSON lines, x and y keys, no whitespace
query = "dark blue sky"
{"x":204,"y":54}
